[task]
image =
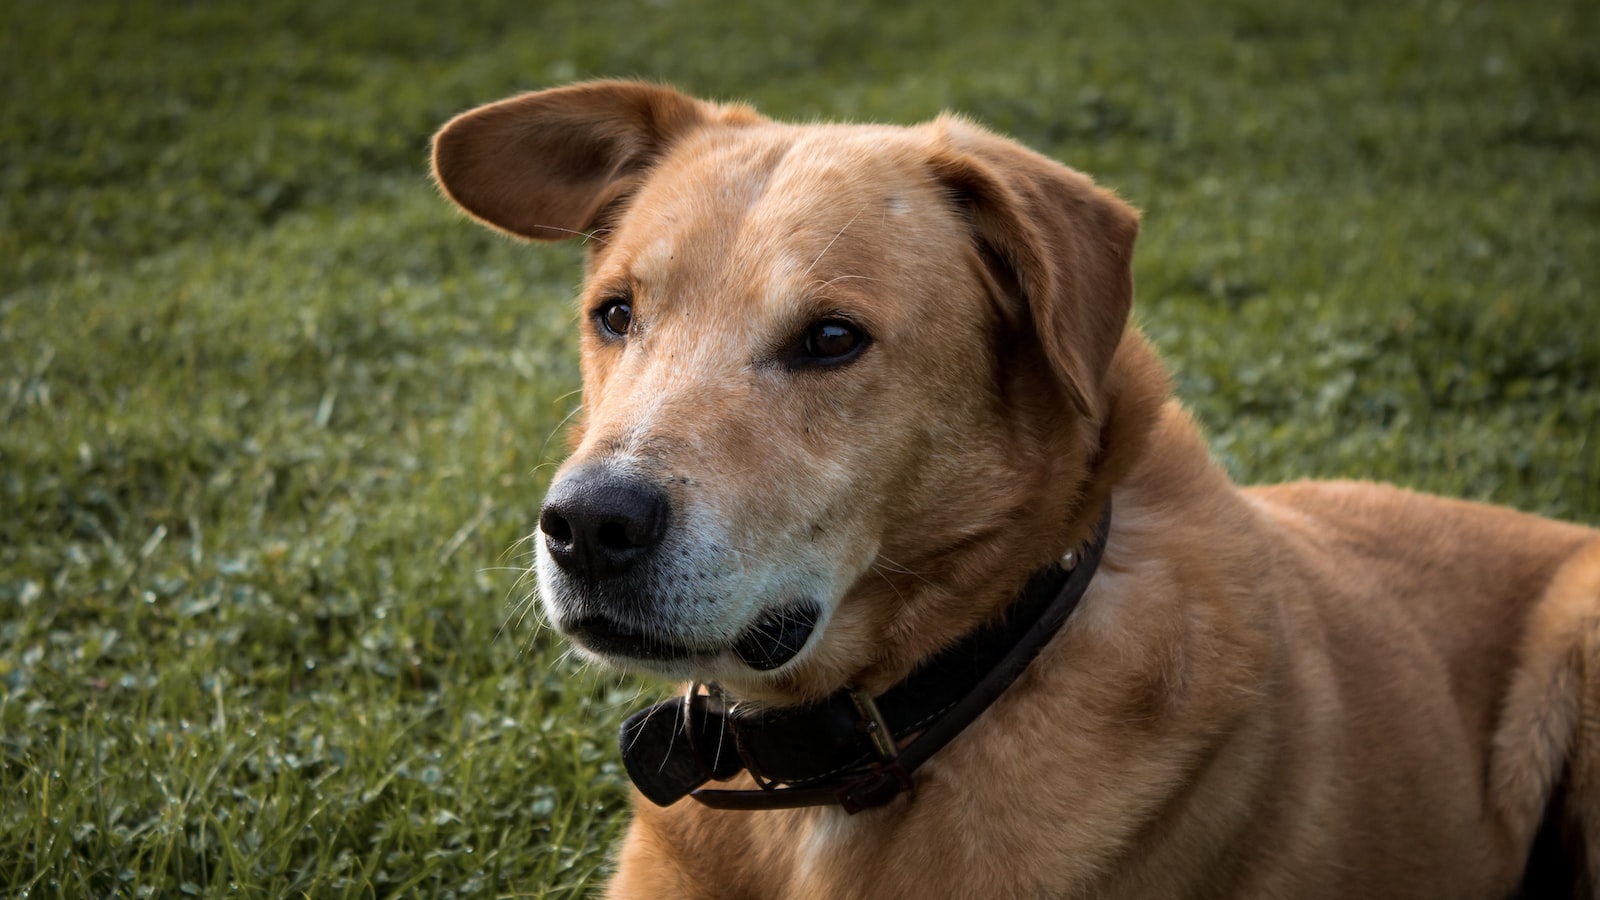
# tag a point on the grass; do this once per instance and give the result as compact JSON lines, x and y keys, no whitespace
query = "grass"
{"x":273,"y":419}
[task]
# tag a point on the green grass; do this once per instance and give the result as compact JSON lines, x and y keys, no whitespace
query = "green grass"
{"x":273,"y":418}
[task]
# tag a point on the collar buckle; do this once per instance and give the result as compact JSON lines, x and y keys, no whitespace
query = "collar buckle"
{"x":874,"y":725}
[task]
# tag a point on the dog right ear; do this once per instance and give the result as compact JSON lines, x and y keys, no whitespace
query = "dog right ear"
{"x":548,"y":165}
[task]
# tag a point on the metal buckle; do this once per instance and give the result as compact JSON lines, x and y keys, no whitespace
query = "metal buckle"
{"x":873,"y":723}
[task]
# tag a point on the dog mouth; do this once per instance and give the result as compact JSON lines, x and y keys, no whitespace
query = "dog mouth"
{"x":777,"y":638}
{"x":773,"y":640}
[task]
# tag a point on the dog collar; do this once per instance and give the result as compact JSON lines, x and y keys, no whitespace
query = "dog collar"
{"x":850,"y":748}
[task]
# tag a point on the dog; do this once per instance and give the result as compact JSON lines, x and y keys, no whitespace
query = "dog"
{"x":850,"y":394}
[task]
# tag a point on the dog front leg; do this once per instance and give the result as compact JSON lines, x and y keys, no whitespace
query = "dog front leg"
{"x":1545,"y":772}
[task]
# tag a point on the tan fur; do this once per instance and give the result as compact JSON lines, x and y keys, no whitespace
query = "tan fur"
{"x":1307,"y":690}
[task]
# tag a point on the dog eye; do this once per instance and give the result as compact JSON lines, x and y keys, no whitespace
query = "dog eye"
{"x":832,"y":341}
{"x":615,"y":316}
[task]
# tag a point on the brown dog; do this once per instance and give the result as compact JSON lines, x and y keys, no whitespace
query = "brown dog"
{"x":846,"y":388}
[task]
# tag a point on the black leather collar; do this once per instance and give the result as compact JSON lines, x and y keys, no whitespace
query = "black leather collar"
{"x":846,"y":748}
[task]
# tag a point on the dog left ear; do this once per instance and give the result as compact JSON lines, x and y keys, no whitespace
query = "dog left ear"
{"x":1067,"y":245}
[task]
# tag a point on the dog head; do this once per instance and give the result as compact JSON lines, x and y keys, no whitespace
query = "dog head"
{"x":844,"y":386}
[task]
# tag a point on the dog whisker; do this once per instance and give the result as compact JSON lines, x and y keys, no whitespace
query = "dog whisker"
{"x":897,"y":568}
{"x":834,"y":241}
{"x":821,"y":285}
{"x":525,"y":539}
{"x":586,"y":235}
{"x":557,"y":430}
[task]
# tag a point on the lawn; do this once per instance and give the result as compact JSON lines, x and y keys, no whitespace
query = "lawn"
{"x":274,"y":420}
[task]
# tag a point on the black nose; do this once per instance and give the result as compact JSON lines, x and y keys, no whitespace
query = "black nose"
{"x":598,"y":524}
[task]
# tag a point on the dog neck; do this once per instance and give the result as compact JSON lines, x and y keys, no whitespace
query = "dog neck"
{"x":846,"y":749}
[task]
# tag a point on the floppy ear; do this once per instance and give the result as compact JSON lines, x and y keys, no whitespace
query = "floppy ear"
{"x":547,"y":165}
{"x":1066,"y":244}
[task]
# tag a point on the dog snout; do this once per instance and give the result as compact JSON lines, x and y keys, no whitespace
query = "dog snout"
{"x":598,"y":524}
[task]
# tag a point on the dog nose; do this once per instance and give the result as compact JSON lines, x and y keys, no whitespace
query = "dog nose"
{"x":597,"y":524}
